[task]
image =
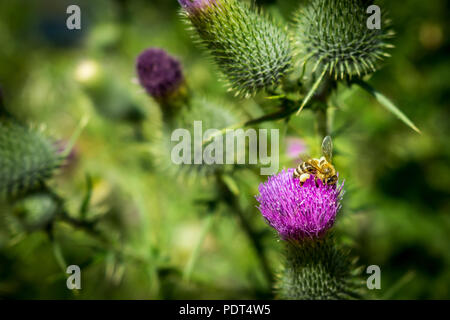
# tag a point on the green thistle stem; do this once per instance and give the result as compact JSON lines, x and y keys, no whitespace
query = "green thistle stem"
{"x":312,"y":90}
{"x":284,"y":113}
{"x":231,"y":199}
{"x":208,"y":223}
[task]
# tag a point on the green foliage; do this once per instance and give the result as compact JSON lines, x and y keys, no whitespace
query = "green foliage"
{"x":110,"y":98}
{"x":141,"y":227}
{"x":334,"y":35}
{"x":318,"y":270}
{"x":112,"y":101}
{"x":27,"y":158}
{"x":251,"y":50}
{"x":213,"y":115}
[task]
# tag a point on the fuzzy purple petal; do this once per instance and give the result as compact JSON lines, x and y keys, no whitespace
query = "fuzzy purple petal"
{"x":193,"y":5}
{"x":159,"y":73}
{"x":298,"y":213}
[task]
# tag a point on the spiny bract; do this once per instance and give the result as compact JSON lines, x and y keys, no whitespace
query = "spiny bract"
{"x":27,"y":158}
{"x":334,"y":35}
{"x":318,"y":270}
{"x":252,"y":52}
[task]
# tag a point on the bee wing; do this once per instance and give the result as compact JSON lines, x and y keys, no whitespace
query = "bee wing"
{"x":311,"y":161}
{"x":304,"y":157}
{"x":327,"y":148}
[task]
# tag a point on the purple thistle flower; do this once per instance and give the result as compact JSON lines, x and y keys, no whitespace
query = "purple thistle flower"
{"x":193,"y":5}
{"x":159,"y":73}
{"x":299,"y":213}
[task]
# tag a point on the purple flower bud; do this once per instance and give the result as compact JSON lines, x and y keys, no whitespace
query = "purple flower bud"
{"x":159,"y":73}
{"x":193,"y":5}
{"x":299,"y":212}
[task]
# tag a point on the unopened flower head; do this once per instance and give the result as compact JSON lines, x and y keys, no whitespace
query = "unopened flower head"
{"x":299,"y":212}
{"x":27,"y":158}
{"x":159,"y":73}
{"x":334,"y":35}
{"x":252,"y":52}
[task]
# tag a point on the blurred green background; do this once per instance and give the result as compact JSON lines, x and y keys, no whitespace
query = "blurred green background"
{"x":164,"y":242}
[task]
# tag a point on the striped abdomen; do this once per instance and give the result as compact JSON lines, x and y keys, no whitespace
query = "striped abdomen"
{"x":304,"y":167}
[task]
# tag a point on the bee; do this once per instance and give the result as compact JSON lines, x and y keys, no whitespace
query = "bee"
{"x":321,"y":169}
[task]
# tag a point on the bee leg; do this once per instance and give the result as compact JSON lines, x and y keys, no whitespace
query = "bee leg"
{"x":315,"y":180}
{"x":303,"y":178}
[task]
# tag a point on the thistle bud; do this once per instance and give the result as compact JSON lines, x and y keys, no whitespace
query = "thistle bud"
{"x":159,"y":73}
{"x":35,"y":211}
{"x":162,"y":77}
{"x":314,"y":267}
{"x":333,"y":34}
{"x":251,"y":51}
{"x":27,"y":158}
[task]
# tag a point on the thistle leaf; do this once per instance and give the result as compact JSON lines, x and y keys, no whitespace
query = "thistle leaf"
{"x":312,"y":90}
{"x":208,"y":223}
{"x":388,"y":104}
{"x":73,"y":139}
{"x":231,"y":184}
